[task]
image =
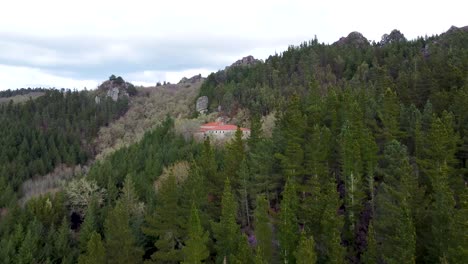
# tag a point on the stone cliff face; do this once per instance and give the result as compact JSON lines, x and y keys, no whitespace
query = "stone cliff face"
{"x":202,"y":104}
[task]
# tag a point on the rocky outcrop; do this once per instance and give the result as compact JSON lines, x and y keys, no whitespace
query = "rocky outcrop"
{"x":245,"y":62}
{"x":115,"y":88}
{"x":355,"y":39}
{"x":192,"y":80}
{"x":394,"y":37}
{"x":202,"y":104}
{"x":454,"y":29}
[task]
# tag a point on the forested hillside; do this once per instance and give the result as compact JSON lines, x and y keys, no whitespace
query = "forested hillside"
{"x":54,"y":129}
{"x":366,"y":163}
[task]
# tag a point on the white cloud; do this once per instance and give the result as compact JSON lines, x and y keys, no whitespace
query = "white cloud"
{"x":12,"y":77}
{"x":91,"y":39}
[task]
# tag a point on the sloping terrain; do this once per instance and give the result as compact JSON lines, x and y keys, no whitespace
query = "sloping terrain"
{"x":147,"y":109}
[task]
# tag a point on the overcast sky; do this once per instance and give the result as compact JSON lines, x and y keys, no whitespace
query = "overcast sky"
{"x":76,"y":44}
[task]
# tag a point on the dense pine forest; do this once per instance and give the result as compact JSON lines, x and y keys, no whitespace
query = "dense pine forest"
{"x":365,"y":163}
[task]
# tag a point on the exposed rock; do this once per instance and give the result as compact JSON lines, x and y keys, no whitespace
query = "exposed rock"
{"x":355,"y":39}
{"x":453,"y":29}
{"x":394,"y":36}
{"x":115,"y":88}
{"x":193,"y":79}
{"x":113,"y":93}
{"x":202,"y":104}
{"x":246,"y":61}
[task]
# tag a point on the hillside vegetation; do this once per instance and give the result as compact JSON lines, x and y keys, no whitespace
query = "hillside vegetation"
{"x":365,"y":163}
{"x":147,"y":109}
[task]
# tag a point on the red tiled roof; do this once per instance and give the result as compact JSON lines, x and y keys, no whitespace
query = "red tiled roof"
{"x":219,"y":127}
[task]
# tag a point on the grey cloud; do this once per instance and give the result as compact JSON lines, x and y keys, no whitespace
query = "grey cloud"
{"x":93,"y":57}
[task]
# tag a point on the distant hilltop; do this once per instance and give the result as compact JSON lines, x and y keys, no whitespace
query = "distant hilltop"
{"x":115,"y":88}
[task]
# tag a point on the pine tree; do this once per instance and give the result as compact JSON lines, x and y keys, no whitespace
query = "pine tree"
{"x":63,"y":243}
{"x":458,"y":249}
{"x":29,"y":250}
{"x":235,"y":155}
{"x":26,"y":253}
{"x":305,"y":253}
{"x":89,"y":225}
{"x":166,"y":223}
{"x":331,"y":224}
{"x":195,"y":250}
{"x":352,"y":174}
{"x":288,"y":225}
{"x":244,"y":193}
{"x":244,"y":252}
{"x":393,"y":220}
{"x":120,"y":243}
{"x":291,"y":140}
{"x":207,"y":169}
{"x":135,"y":208}
{"x":95,"y":252}
{"x":390,"y":115}
{"x":442,"y":216}
{"x":263,"y":229}
{"x":370,"y":256}
{"x":227,"y":231}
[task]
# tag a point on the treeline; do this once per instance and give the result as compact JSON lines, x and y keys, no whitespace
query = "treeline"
{"x":56,"y":128}
{"x":22,"y":91}
{"x":417,"y":70}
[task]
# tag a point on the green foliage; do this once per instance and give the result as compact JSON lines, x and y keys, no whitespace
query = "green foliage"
{"x":49,"y":131}
{"x":288,"y":225}
{"x":95,"y":252}
{"x":165,"y":224}
{"x":195,"y":250}
{"x":263,"y":229}
{"x":394,"y":227}
{"x":305,"y":253}
{"x":120,"y":242}
{"x":227,"y":231}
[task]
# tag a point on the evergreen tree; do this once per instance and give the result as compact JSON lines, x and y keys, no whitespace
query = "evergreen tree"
{"x":393,"y":218}
{"x":135,"y":208}
{"x":208,"y":170}
{"x":89,"y":225}
{"x":352,"y":174}
{"x":290,"y":141}
{"x":195,"y":250}
{"x":227,"y":231}
{"x":166,"y":223}
{"x":95,"y":252}
{"x":263,"y":229}
{"x":244,"y":193}
{"x":442,"y":216}
{"x":235,"y":155}
{"x":244,"y":252}
{"x":331,"y":224}
{"x":305,"y":253}
{"x":458,"y":248}
{"x":371,"y":254}
{"x":120,"y":243}
{"x":288,"y":225}
{"x":63,"y":244}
